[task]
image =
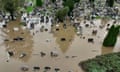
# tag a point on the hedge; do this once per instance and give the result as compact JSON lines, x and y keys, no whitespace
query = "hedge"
{"x":111,"y":37}
{"x":104,"y":63}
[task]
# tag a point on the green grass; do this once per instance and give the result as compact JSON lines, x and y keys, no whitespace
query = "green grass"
{"x":98,"y":17}
{"x":29,"y":9}
{"x":22,"y":23}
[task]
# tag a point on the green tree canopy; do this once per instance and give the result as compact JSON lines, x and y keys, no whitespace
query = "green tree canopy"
{"x":53,"y":1}
{"x":11,"y":6}
{"x":111,"y":37}
{"x":76,"y":1}
{"x":39,"y":3}
{"x":110,"y":3}
{"x":64,"y":0}
{"x":91,"y":0}
{"x":70,"y":4}
{"x":61,"y":13}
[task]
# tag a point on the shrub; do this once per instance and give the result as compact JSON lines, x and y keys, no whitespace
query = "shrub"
{"x":61,"y":13}
{"x":103,"y":63}
{"x":70,"y":4}
{"x":39,"y":2}
{"x":111,"y":37}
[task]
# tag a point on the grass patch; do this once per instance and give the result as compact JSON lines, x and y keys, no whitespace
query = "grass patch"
{"x":22,"y":24}
{"x":29,"y":9}
{"x":98,"y":17}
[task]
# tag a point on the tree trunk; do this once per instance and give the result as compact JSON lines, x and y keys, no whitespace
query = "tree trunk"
{"x":12,"y":16}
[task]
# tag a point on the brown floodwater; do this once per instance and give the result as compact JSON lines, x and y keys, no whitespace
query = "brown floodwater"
{"x":70,"y":52}
{"x":106,"y":50}
{"x":18,"y":47}
{"x":104,"y":21}
{"x":67,"y":33}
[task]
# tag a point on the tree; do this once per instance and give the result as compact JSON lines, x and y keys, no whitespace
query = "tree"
{"x":110,"y":3}
{"x":53,"y":1}
{"x":92,"y":2}
{"x":61,"y":13}
{"x":11,"y":6}
{"x":21,"y":3}
{"x":70,"y":4}
{"x":76,"y":1}
{"x":39,"y":3}
{"x":1,"y":5}
{"x":64,"y":0}
{"x":111,"y":37}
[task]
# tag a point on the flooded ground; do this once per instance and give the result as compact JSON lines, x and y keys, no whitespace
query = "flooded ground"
{"x":67,"y":34}
{"x":106,"y":50}
{"x":70,"y":52}
{"x":18,"y":47}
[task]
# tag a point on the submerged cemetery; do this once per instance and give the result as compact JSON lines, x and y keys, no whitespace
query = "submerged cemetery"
{"x":59,"y":35}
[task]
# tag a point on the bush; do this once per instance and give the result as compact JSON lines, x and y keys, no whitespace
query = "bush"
{"x":76,"y":1}
{"x":22,"y":24}
{"x":98,"y":17}
{"x":70,"y":4}
{"x":53,"y":1}
{"x":111,"y":37}
{"x":39,"y":3}
{"x":110,"y":3}
{"x":61,"y":13}
{"x":104,"y":63}
{"x":29,"y":9}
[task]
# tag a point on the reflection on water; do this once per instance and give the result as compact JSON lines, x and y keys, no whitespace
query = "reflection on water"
{"x":18,"y":47}
{"x":64,"y":36}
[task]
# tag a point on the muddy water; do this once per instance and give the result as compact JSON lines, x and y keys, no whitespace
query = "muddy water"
{"x":106,"y":50}
{"x":18,"y":47}
{"x":67,"y":33}
{"x":76,"y":49}
{"x":104,"y":21}
{"x":116,"y":48}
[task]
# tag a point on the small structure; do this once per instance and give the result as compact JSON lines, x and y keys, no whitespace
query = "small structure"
{"x":94,"y":32}
{"x":63,"y":39}
{"x":24,"y":68}
{"x":10,"y":53}
{"x":2,"y":23}
{"x":57,"y":69}
{"x":22,"y":55}
{"x":54,"y":53}
{"x":42,"y":54}
{"x":36,"y":68}
{"x":91,"y":40}
{"x":18,"y":39}
{"x":15,"y":29}
{"x":47,"y":68}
